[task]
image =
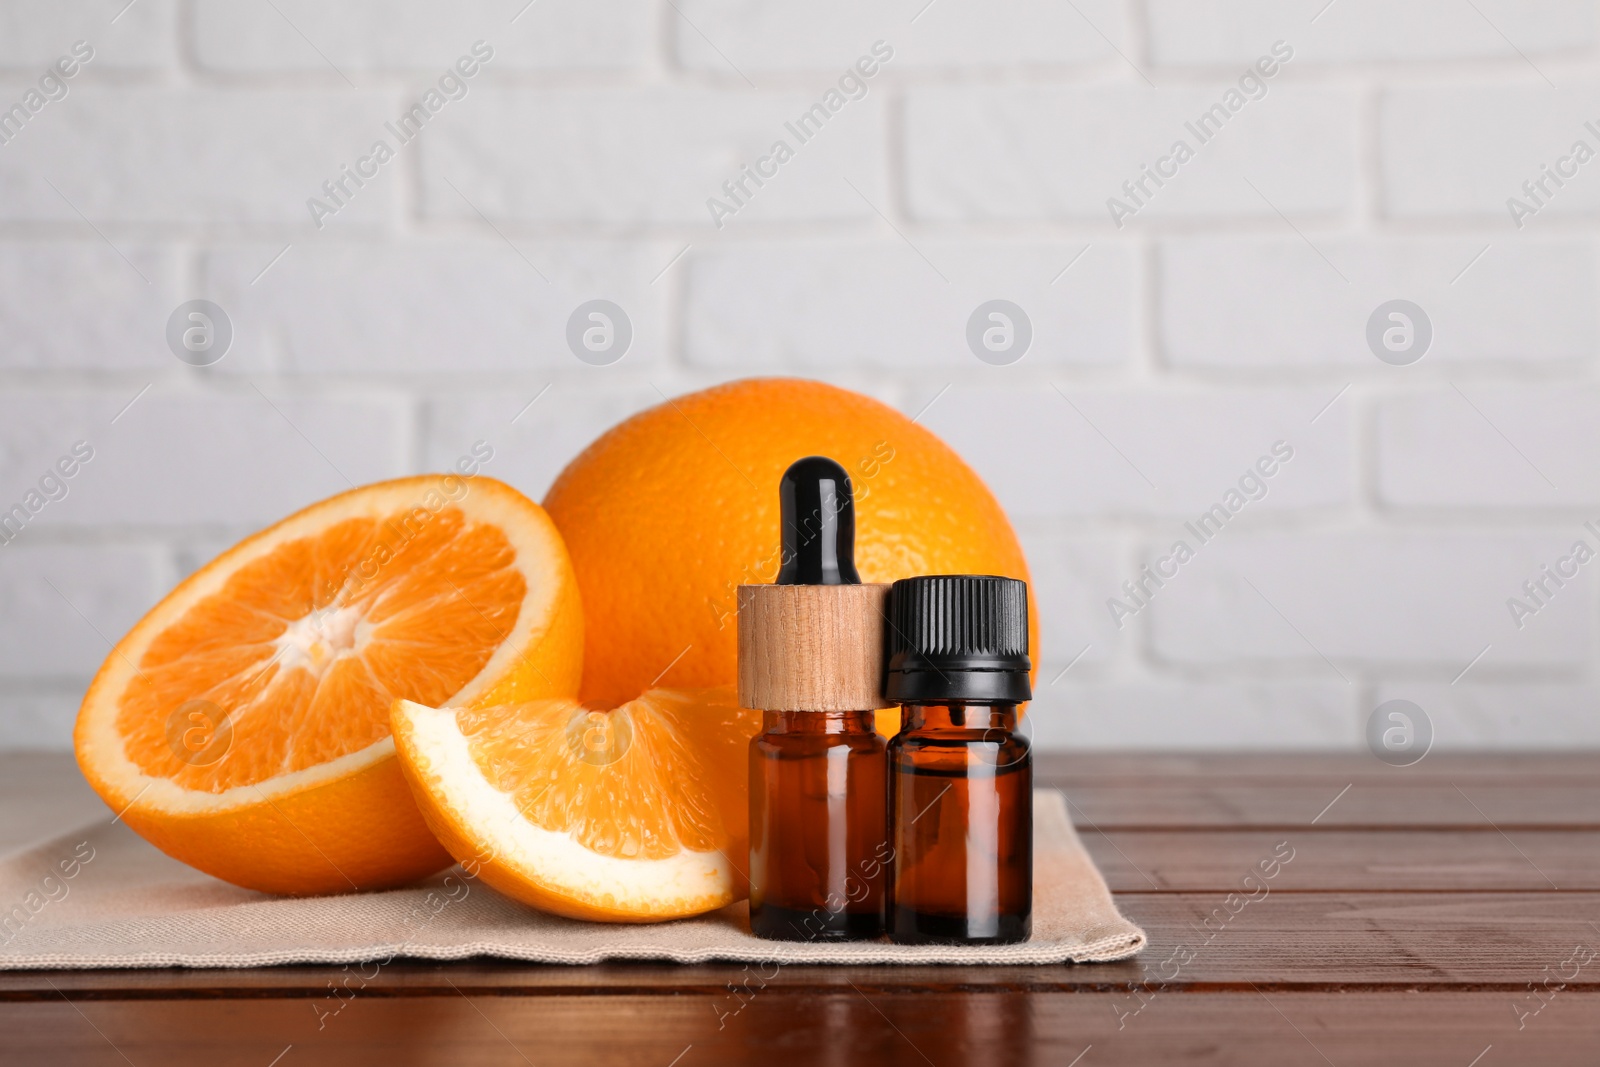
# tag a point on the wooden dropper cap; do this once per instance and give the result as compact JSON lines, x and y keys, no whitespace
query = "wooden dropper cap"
{"x":814,"y":640}
{"x":811,"y":647}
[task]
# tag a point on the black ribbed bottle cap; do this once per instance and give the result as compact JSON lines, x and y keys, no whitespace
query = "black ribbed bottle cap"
{"x":958,"y":637}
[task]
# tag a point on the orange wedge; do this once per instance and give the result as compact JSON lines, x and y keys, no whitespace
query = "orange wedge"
{"x":632,"y":814}
{"x":243,"y":725}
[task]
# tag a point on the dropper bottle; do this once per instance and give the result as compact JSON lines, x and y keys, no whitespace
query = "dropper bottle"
{"x":811,"y":659}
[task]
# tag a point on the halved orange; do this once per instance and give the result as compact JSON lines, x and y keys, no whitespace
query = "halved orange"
{"x":630,"y":814}
{"x":243,"y":725}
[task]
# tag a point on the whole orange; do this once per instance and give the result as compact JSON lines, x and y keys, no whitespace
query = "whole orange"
{"x":670,"y":511}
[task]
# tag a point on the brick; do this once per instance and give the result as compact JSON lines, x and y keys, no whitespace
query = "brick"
{"x":35,"y":33}
{"x":1194,"y":716}
{"x":533,"y":444}
{"x":79,"y":304}
{"x":183,"y":157}
{"x":818,"y":306}
{"x":1044,"y":459}
{"x":440,"y":307}
{"x":196,"y":550}
{"x":43,"y":633}
{"x":1267,"y":302}
{"x":636,"y":156}
{"x":530,"y":451}
{"x":177,"y":458}
{"x":1072,"y":625}
{"x":32,"y":719}
{"x":976,"y":154}
{"x":1453,"y":151}
{"x":770,"y":36}
{"x":1365,"y":31}
{"x":1426,"y":599}
{"x":371,"y":35}
{"x":1524,"y":714}
{"x":1491,"y":446}
{"x":52,"y":445}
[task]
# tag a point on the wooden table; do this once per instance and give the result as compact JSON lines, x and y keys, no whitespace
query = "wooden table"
{"x":1446,"y":913}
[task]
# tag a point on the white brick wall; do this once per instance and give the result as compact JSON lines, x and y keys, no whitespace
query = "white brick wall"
{"x":1515,"y":447}
{"x":1098,"y":454}
{"x":794,"y":306}
{"x":74,"y":598}
{"x":76,"y":304}
{"x":1055,"y":154}
{"x":1459,"y":151}
{"x":1229,"y":312}
{"x":1322,"y":601}
{"x":178,"y":158}
{"x":652,"y":156}
{"x":1507,"y":715}
{"x":361,"y":36}
{"x":1355,"y":31}
{"x":531,"y":444}
{"x":440,"y":308}
{"x":182,"y":457}
{"x":1274,"y":302}
{"x":829,"y":34}
{"x":34,"y":33}
{"x":1199,"y":714}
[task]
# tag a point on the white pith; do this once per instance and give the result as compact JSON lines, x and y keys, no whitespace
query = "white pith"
{"x":314,"y":642}
{"x":440,"y":755}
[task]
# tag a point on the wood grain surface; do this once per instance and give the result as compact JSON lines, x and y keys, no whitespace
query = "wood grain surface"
{"x":1445,"y":913}
{"x":812,"y":647}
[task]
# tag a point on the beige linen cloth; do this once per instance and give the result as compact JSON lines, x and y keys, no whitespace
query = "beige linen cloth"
{"x":125,"y":904}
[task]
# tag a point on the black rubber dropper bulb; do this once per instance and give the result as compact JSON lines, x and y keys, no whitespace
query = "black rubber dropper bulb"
{"x":819,"y":524}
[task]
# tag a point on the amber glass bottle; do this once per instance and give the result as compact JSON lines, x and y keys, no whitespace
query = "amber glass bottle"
{"x":817,"y":841}
{"x":960,"y":777}
{"x":811,"y":657}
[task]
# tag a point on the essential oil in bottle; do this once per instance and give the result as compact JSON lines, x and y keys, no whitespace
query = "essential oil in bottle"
{"x":960,"y":777}
{"x":811,"y":659}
